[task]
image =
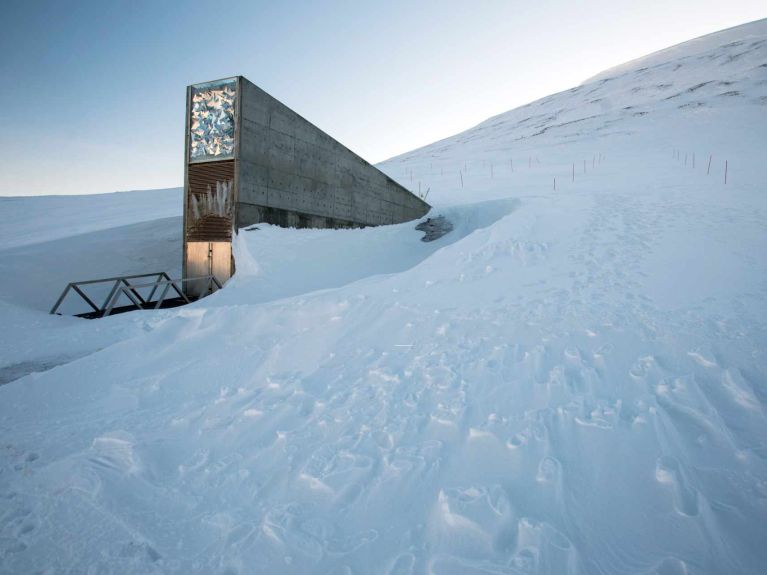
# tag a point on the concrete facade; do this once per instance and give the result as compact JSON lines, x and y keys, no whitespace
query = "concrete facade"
{"x":291,"y":173}
{"x":251,"y":159}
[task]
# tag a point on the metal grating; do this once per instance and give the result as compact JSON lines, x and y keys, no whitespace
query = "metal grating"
{"x":203,"y":177}
{"x":125,"y":287}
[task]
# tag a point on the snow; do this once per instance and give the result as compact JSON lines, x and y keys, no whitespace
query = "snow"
{"x":572,"y":381}
{"x":50,"y":241}
{"x":31,"y":220}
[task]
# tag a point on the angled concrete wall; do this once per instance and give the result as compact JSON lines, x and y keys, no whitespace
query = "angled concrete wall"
{"x":291,"y":173}
{"x":250,"y":159}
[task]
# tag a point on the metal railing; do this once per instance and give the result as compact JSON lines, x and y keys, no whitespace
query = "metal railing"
{"x":124,"y":285}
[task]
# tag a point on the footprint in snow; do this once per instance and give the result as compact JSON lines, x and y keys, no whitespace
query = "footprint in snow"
{"x":549,"y":470}
{"x":668,"y":471}
{"x":700,"y":360}
{"x":671,"y":566}
{"x":403,"y":565}
{"x":539,"y":544}
{"x":475,"y":521}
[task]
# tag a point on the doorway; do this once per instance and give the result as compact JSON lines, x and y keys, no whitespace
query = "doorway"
{"x":204,"y":259}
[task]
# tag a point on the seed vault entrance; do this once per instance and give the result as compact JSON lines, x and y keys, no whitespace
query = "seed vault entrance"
{"x":251,"y":159}
{"x":206,"y":259}
{"x":209,"y":201}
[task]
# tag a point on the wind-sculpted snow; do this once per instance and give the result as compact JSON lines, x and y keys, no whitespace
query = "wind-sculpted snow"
{"x":574,"y":382}
{"x":278,"y":263}
{"x":36,"y":219}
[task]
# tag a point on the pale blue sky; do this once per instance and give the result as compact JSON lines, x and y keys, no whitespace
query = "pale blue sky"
{"x":92,"y":93}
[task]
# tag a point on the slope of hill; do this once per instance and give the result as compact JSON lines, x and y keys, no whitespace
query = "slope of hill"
{"x":708,"y":97}
{"x":35,"y":219}
{"x":574,"y":382}
{"x":48,"y":241}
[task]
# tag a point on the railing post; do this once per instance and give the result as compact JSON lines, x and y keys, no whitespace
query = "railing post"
{"x":162,"y":296}
{"x":111,"y":293}
{"x":180,"y":292}
{"x":130,"y":287}
{"x":85,"y":297}
{"x":156,"y":285}
{"x":61,"y":298}
{"x":112,"y":303}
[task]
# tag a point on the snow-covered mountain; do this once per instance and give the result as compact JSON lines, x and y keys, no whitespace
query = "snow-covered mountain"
{"x":706,"y":96}
{"x":573,"y":381}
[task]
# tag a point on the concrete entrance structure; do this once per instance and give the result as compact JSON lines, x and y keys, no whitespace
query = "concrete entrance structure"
{"x":250,"y":159}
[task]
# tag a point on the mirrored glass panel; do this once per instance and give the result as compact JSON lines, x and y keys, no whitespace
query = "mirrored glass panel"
{"x":212,"y":121}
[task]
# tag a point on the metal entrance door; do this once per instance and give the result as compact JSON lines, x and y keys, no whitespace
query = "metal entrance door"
{"x":207,"y":258}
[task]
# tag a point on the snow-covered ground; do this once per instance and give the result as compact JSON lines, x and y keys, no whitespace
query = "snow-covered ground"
{"x":49,"y":241}
{"x":573,"y":381}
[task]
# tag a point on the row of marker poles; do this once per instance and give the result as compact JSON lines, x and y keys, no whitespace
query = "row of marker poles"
{"x":492,"y":167}
{"x":596,"y":160}
{"x":677,"y":155}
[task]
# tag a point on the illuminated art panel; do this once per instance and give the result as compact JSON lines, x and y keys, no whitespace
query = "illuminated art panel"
{"x":211,"y":133}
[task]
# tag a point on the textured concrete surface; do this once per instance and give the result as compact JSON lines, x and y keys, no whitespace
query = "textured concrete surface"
{"x":293,"y":174}
{"x":286,"y":172}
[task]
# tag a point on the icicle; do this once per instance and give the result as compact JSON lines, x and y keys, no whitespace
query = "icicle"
{"x":195,"y":209}
{"x":216,"y":203}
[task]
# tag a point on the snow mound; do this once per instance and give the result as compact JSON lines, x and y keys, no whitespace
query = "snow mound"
{"x":573,"y":380}
{"x":36,"y":219}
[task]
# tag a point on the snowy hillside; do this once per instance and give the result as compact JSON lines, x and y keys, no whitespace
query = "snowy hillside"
{"x":48,"y":241}
{"x":573,"y":381}
{"x":707,"y":96}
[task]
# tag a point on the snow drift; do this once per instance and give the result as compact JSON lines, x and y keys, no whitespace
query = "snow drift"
{"x":573,"y":381}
